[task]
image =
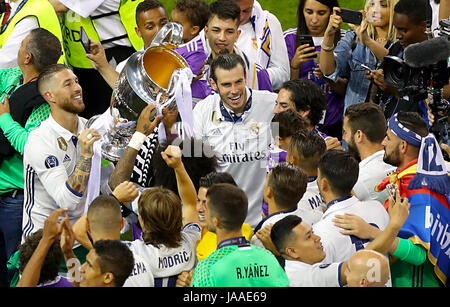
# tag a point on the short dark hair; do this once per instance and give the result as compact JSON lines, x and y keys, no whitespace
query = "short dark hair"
{"x":225,"y":9}
{"x":147,"y":5}
{"x":369,"y":118}
{"x":116,"y":258}
{"x":105,"y":212}
{"x":282,"y":229}
{"x":197,"y":11}
{"x":307,"y":95}
{"x":47,"y":74}
{"x":416,"y":10}
{"x":289,"y":123}
{"x":229,"y":204}
{"x":288,"y":183}
{"x":45,"y":48}
{"x":310,"y":145}
{"x":53,"y":259}
{"x":341,"y":170}
{"x":216,"y":177}
{"x":226,"y":61}
{"x":414,"y":122}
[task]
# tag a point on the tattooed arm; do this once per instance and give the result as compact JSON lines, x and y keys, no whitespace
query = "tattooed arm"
{"x":78,"y":180}
{"x":124,"y":167}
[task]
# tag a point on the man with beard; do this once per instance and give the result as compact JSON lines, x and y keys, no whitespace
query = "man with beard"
{"x":419,"y":245}
{"x":57,"y":156}
{"x":364,"y":130}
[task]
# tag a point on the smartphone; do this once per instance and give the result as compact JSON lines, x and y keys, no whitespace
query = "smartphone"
{"x":391,"y":188}
{"x":307,"y":39}
{"x":84,"y":40}
{"x":351,"y":16}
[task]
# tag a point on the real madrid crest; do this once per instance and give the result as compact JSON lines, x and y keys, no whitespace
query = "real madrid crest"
{"x":62,"y":143}
{"x":254,"y":129}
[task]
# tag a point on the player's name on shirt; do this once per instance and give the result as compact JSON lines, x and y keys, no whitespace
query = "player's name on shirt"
{"x":139,"y":268}
{"x":173,"y":260}
{"x":252,"y":271}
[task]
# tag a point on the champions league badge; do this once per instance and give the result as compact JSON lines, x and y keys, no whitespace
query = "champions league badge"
{"x":62,"y":143}
{"x":51,"y":161}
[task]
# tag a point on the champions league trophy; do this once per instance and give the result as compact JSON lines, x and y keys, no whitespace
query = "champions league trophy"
{"x":157,"y":75}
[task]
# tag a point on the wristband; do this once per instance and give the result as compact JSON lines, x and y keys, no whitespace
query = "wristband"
{"x":329,"y":49}
{"x":137,"y":140}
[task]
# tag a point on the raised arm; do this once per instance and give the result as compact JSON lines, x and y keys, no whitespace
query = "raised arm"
{"x":32,"y":272}
{"x":186,"y":188}
{"x":78,"y":180}
{"x":124,"y":167}
{"x":327,"y":62}
{"x":100,"y":63}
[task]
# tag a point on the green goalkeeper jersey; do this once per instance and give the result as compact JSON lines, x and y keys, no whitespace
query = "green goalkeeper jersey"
{"x":240,"y":266}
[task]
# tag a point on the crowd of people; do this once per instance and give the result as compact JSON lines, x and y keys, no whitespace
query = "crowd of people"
{"x":289,"y":164}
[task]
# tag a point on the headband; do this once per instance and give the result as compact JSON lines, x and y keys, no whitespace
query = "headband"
{"x":404,"y":133}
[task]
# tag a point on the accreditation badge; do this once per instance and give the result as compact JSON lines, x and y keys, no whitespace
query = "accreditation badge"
{"x":62,"y":143}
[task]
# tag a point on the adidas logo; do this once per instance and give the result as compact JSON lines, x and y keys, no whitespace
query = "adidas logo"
{"x":217,"y":132}
{"x":67,"y":159}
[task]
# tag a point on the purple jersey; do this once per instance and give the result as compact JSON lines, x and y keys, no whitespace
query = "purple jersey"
{"x":335,"y":110}
{"x":195,"y":55}
{"x":59,"y":282}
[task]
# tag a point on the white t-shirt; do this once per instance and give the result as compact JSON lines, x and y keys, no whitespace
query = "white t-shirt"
{"x":301,"y":274}
{"x":166,"y":263}
{"x":242,"y":147}
{"x":372,"y":170}
{"x":279,"y":68}
{"x":339,"y":247}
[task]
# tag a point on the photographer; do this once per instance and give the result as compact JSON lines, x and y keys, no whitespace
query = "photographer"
{"x":410,"y":20}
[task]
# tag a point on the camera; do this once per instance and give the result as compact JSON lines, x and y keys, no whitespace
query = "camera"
{"x":422,"y":74}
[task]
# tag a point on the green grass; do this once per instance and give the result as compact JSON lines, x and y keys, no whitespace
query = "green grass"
{"x":285,"y":10}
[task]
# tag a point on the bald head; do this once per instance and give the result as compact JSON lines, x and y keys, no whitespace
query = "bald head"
{"x":367,"y":268}
{"x":104,"y":215}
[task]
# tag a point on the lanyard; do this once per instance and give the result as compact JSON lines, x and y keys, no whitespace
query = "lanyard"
{"x":233,"y":241}
{"x":11,"y":17}
{"x":312,"y":178}
{"x":338,"y":200}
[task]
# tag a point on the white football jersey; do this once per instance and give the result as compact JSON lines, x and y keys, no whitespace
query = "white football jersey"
{"x":166,"y":263}
{"x":372,"y":170}
{"x":141,"y":276}
{"x":241,"y":147}
{"x":310,"y":208}
{"x":339,"y":247}
{"x":301,"y":274}
{"x":50,"y":156}
{"x":271,"y":219}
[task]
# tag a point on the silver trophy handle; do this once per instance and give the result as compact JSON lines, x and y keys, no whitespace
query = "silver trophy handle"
{"x":173,"y":29}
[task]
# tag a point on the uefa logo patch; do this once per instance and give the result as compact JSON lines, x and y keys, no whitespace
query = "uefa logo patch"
{"x":51,"y":161}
